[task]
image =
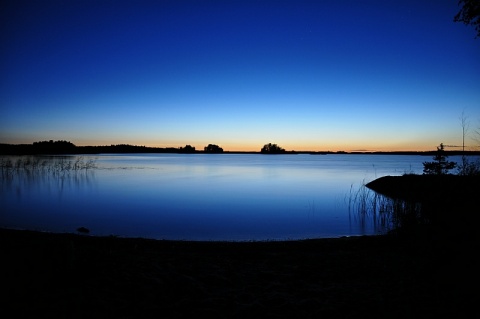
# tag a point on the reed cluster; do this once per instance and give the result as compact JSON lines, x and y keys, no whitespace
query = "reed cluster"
{"x":386,"y":214}
{"x":52,"y":165}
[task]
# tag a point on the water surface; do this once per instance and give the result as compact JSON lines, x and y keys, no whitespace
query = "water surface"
{"x":198,"y":196}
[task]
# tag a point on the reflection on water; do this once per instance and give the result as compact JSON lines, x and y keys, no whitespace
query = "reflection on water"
{"x":384,"y":213}
{"x":197,"y":197}
{"x":56,"y":174}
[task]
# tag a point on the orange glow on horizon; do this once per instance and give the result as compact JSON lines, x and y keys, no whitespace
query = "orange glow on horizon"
{"x":236,"y":147}
{"x":254,"y":147}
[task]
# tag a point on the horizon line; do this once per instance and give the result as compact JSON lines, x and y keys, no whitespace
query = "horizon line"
{"x":179,"y":148}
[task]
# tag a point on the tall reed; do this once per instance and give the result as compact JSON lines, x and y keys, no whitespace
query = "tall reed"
{"x":55,"y":166}
{"x":386,"y":214}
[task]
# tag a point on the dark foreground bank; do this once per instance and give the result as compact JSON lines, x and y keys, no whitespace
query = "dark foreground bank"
{"x":392,"y":276}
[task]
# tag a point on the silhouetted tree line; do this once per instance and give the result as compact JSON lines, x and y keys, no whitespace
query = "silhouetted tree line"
{"x":212,"y":148}
{"x":49,"y":147}
{"x":65,"y":147}
{"x":187,"y":149}
{"x":272,"y":149}
{"x":42,"y":147}
{"x":123,"y":148}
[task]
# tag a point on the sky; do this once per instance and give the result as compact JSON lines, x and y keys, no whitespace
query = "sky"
{"x":346,"y":75}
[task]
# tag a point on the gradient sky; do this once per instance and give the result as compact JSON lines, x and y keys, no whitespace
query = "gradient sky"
{"x":307,"y":75}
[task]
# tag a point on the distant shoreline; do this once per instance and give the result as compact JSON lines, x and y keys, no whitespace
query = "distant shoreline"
{"x":67,"y":148}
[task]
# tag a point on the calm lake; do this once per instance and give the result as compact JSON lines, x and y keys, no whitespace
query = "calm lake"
{"x":235,"y":197}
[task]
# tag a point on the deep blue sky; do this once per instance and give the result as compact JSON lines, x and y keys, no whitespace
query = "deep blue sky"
{"x":307,"y":75}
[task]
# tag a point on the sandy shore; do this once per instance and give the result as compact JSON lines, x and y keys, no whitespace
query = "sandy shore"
{"x":391,"y":276}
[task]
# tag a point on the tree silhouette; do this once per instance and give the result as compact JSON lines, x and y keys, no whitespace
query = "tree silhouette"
{"x":52,"y":147}
{"x":272,"y":149}
{"x":212,"y":148}
{"x":440,"y":165}
{"x":469,"y":14}
{"x":187,"y":149}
